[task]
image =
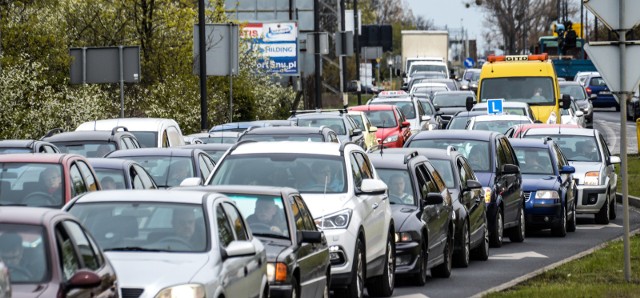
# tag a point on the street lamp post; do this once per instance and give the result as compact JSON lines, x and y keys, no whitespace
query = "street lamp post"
{"x":390,"y":63}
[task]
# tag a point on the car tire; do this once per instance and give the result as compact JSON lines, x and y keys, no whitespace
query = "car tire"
{"x":602,"y":217}
{"x":517,"y":233}
{"x":356,"y":287}
{"x":612,"y":209}
{"x":497,"y":233}
{"x":560,"y":229}
{"x":444,"y":270}
{"x":420,"y":278}
{"x":482,"y":251}
{"x":571,"y":224}
{"x":461,"y":258}
{"x":383,"y":285}
{"x":326,"y":292}
{"x":295,"y":287}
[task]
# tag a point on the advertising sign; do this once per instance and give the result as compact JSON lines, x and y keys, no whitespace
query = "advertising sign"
{"x":277,"y":43}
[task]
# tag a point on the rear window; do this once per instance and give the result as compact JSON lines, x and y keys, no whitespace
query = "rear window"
{"x":575,"y":148}
{"x":597,"y":81}
{"x":477,"y":152}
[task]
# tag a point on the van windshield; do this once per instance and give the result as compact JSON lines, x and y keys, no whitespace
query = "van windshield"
{"x":428,"y":67}
{"x":532,"y":90}
{"x":147,"y":139}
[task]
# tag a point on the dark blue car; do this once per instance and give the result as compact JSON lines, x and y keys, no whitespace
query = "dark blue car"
{"x":595,"y":84}
{"x":547,"y":182}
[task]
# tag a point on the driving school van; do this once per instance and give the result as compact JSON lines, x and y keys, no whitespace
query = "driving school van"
{"x":524,"y":78}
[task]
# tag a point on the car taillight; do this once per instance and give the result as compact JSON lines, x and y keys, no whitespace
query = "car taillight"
{"x":588,"y":90}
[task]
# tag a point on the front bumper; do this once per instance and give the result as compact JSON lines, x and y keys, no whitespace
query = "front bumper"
{"x":591,"y":198}
{"x":341,"y":259}
{"x":542,"y":213}
{"x":280,"y":290}
{"x":407,"y":254}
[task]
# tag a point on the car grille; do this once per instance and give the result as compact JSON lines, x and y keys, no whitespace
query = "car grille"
{"x":131,"y":293}
{"x":527,"y":195}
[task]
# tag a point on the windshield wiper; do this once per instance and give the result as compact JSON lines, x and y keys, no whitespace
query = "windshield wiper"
{"x":12,"y":204}
{"x":133,"y":248}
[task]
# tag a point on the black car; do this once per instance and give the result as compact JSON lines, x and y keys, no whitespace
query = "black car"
{"x":215,"y":151}
{"x":451,"y":102}
{"x":115,"y":173}
{"x":422,"y":207}
{"x":27,"y":146}
{"x":459,"y":119}
{"x":96,"y":143}
{"x":297,"y":252}
{"x":472,"y":232}
{"x":338,"y":120}
{"x":289,"y":133}
{"x":495,"y":164}
{"x":170,"y":166}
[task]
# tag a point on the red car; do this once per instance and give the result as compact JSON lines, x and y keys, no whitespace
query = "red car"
{"x":44,"y":180}
{"x":50,"y":254}
{"x":393,"y":128}
{"x":517,"y":131}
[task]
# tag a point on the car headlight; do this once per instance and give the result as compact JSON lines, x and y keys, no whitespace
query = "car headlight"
{"x":391,"y":139}
{"x":277,"y":272}
{"x":338,"y":220}
{"x":547,"y":194}
{"x":403,"y":237}
{"x":464,"y":87}
{"x":182,"y":291}
{"x":487,"y":195}
{"x":592,"y":178}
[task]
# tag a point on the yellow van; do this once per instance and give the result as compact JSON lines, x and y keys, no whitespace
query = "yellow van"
{"x":524,"y":78}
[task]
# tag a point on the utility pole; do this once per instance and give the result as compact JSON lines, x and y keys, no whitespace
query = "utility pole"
{"x":316,"y":53}
{"x":356,"y":47}
{"x":343,"y":58}
{"x":202,"y":53}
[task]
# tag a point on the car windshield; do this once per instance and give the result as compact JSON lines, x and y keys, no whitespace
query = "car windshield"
{"x":500,"y":126}
{"x":477,"y":152}
{"x":450,"y":100}
{"x":306,"y":172}
{"x":265,"y":214}
{"x":428,"y":109}
{"x":407,"y":108}
{"x":336,"y":124}
{"x":458,"y":122}
{"x":508,"y":111}
{"x":443,"y":166}
{"x":534,"y":161}
{"x":220,"y":140}
{"x":147,"y":139}
{"x":532,"y":90}
{"x":400,"y":186}
{"x":279,"y":138}
{"x":472,"y":76}
{"x":32,"y":184}
{"x":110,"y":177}
{"x":575,"y":91}
{"x":144,"y":226}
{"x":427,"y":67}
{"x":8,"y":150}
{"x":166,"y":171}
{"x":358,"y":120}
{"x":87,"y":149}
{"x":23,"y":251}
{"x":382,"y":119}
{"x":575,"y":148}
{"x":428,"y":91}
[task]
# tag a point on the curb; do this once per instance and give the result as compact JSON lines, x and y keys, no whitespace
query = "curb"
{"x":633,"y":201}
{"x":533,"y":274}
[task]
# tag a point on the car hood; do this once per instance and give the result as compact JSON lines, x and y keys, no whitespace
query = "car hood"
{"x":401,"y":213}
{"x":485,"y":178}
{"x":324,"y":204}
{"x":274,"y":247}
{"x":383,"y":133}
{"x":145,"y":269}
{"x":29,"y":290}
{"x":582,"y":167}
{"x":532,"y":182}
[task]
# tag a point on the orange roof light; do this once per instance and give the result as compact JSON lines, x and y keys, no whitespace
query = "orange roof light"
{"x":509,"y":58}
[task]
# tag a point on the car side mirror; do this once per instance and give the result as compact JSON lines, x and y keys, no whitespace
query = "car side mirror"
{"x":614,"y":159}
{"x":373,"y":129}
{"x":83,"y":279}
{"x":566,"y":101}
{"x":192,"y":181}
{"x":425,"y":118}
{"x":405,"y":124}
{"x":510,"y":169}
{"x":433,"y":198}
{"x":436,"y":107}
{"x":567,"y":170}
{"x":593,"y":96}
{"x":473,"y":184}
{"x":356,"y":132}
{"x":373,"y":187}
{"x":469,"y":103}
{"x":309,"y":237}
{"x":579,"y":114}
{"x":238,"y":249}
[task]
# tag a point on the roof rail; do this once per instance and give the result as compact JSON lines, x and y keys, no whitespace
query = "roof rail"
{"x":294,"y":112}
{"x":409,"y":156}
{"x":242,"y":142}
{"x":451,"y":148}
{"x":52,"y":132}
{"x":113,"y":131}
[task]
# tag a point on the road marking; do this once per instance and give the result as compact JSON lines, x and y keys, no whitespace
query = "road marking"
{"x":518,"y":256}
{"x":597,"y":227}
{"x":412,"y":296}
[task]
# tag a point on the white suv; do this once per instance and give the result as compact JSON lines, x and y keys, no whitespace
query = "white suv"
{"x":150,"y":132}
{"x":346,"y":198}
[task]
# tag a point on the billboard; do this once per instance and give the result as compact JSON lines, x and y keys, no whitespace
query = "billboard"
{"x":277,"y":43}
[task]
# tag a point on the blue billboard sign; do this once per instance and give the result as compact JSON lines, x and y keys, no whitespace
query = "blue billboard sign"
{"x":277,"y":43}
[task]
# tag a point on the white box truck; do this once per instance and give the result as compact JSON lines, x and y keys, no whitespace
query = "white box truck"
{"x":424,"y":46}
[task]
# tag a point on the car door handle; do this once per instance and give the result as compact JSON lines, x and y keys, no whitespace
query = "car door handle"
{"x":375,"y":206}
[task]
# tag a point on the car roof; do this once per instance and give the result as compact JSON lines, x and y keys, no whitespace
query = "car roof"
{"x":109,"y":163}
{"x":29,"y":215}
{"x":280,"y":130}
{"x":244,"y":189}
{"x":173,"y":151}
{"x":468,"y":93}
{"x":17,"y":143}
{"x":530,"y":143}
{"x":561,"y":131}
{"x":132,"y":124}
{"x":146,"y":195}
{"x":318,"y":115}
{"x":208,"y":146}
{"x":575,"y":83}
{"x":36,"y":157}
{"x":488,"y":118}
{"x":388,"y":159}
{"x":222,"y":133}
{"x":381,"y":107}
{"x":456,"y":134}
{"x":405,"y":98}
{"x":430,"y":153}
{"x":97,"y":135}
{"x":505,"y":104}
{"x":429,"y":84}
{"x":318,"y":148}
{"x":469,"y":113}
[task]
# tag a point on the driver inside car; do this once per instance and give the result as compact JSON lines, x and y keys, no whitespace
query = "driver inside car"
{"x":266,"y":216}
{"x":11,"y":252}
{"x":184,"y":226}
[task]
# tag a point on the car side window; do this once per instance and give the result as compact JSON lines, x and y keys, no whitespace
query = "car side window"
{"x":297,"y":215}
{"x":437,"y":179}
{"x":364,"y":165}
{"x":174,"y":136}
{"x":69,"y":261}
{"x":204,"y":167}
{"x":309,"y":223}
{"x":225,"y":233}
{"x":423,"y":181}
{"x":500,"y":154}
{"x":77,"y":183}
{"x":470,"y":173}
{"x":89,"y":179}
{"x":333,"y":137}
{"x":165,"y":139}
{"x":88,"y":254}
{"x":355,"y":171}
{"x":605,"y":148}
{"x":236,"y":220}
{"x":143,"y":176}
{"x":463,"y":173}
{"x":510,"y":155}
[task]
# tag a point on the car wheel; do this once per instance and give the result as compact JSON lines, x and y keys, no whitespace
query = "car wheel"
{"x":461,"y":258}
{"x":571,"y":225}
{"x":420,"y":278}
{"x":482,"y":251}
{"x":382,"y":286}
{"x":356,"y":287}
{"x":295,"y":291}
{"x":444,"y":270}
{"x":326,"y":292}
{"x":602,"y":217}
{"x":496,"y":234}
{"x":560,"y":229}
{"x":612,"y":209}
{"x":517,"y":233}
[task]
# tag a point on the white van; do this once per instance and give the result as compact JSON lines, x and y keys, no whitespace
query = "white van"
{"x":150,"y":132}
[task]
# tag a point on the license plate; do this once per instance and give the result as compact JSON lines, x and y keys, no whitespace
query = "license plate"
{"x":605,"y":92}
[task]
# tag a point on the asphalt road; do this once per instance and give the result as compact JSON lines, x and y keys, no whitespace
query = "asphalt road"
{"x":517,"y":260}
